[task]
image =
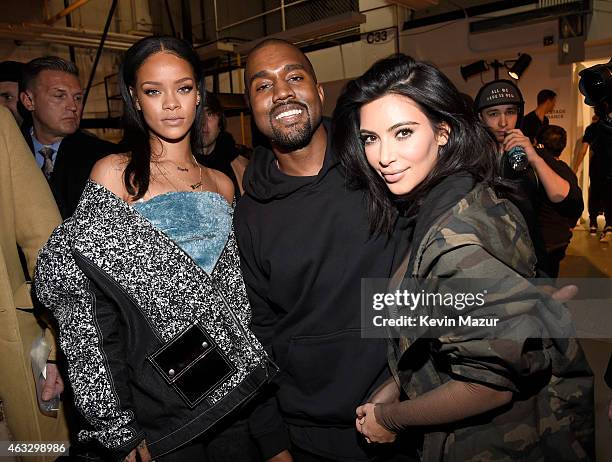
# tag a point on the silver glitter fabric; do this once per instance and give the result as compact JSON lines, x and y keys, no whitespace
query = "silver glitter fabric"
{"x":171,"y":291}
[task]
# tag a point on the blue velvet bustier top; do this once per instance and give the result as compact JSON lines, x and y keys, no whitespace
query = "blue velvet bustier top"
{"x":198,"y":222}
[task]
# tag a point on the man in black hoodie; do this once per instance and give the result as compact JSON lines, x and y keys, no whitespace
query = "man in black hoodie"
{"x":305,"y":243}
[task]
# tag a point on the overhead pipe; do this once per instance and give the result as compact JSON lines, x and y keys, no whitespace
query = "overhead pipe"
{"x":74,"y":31}
{"x":66,"y":36}
{"x":99,"y":52}
{"x":186,"y":21}
{"x":65,"y":40}
{"x":69,"y":24}
{"x":66,"y":11}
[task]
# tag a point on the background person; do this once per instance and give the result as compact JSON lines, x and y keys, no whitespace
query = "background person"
{"x":403,"y":133}
{"x":220,"y":150}
{"x":557,"y":219}
{"x":595,"y":203}
{"x":533,"y":122}
{"x":50,"y":90}
{"x":28,"y":214}
{"x":499,"y":105}
{"x":596,"y":139}
{"x":10,"y":75}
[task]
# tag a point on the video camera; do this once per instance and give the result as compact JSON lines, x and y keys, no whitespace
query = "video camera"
{"x":596,"y":84}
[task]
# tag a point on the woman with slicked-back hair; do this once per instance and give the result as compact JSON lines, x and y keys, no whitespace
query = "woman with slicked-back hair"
{"x":145,"y":284}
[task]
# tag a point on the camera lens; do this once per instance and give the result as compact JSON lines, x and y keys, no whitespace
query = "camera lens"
{"x":596,"y":83}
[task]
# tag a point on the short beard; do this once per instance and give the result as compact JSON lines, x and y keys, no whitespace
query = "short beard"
{"x":296,"y":138}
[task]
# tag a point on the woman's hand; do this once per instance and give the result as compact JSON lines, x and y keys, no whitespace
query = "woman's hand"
{"x":142,"y":451}
{"x":369,"y":427}
{"x":284,"y":456}
{"x":53,"y":385}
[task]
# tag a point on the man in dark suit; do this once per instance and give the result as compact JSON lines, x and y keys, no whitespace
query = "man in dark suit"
{"x":50,"y":90}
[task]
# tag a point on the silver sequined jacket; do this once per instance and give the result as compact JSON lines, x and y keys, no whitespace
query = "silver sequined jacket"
{"x":156,"y":348}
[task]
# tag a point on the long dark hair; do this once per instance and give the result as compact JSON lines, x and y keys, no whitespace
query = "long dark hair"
{"x":136,"y":132}
{"x":469,"y":147}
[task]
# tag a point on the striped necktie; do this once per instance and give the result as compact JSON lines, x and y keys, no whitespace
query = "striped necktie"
{"x":47,"y":168}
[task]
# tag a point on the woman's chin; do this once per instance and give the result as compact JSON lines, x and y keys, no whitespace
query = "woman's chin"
{"x":400,"y":188}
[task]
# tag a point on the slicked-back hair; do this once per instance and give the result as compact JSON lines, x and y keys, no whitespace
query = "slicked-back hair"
{"x":545,"y":95}
{"x":136,"y":132}
{"x":469,"y":148}
{"x":32,"y":69}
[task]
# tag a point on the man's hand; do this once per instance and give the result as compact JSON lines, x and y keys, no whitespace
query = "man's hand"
{"x":369,"y":427}
{"x":142,"y":450}
{"x":514,"y":138}
{"x":53,"y":384}
{"x":284,"y":456}
{"x":610,"y":411}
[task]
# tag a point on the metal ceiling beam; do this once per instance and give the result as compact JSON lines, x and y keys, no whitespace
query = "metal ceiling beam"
{"x":81,"y":38}
{"x":462,"y":13}
{"x":214,"y":50}
{"x":319,"y":28}
{"x":529,"y":17}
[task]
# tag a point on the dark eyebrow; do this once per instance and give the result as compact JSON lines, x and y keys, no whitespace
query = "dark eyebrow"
{"x":393,"y":127}
{"x":293,"y":67}
{"x":390,"y":129}
{"x":150,"y":82}
{"x":287,"y":68}
{"x":258,"y":75}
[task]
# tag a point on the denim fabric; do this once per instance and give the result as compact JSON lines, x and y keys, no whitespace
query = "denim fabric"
{"x":198,"y":222}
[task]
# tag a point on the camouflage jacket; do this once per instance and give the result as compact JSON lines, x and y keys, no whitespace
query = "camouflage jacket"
{"x":477,"y":235}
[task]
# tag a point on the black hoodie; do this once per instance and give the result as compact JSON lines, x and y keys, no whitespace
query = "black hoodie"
{"x":305,"y":246}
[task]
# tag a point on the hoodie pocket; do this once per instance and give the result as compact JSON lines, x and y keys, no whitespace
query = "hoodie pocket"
{"x":328,"y":376}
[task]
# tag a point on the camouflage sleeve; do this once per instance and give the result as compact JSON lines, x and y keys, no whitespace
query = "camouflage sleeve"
{"x":513,"y":344}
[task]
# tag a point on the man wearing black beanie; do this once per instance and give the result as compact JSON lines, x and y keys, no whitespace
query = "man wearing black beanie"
{"x":499,"y":104}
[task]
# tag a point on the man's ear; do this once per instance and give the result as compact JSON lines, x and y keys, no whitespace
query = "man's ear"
{"x":26,"y":100}
{"x":321,"y":93}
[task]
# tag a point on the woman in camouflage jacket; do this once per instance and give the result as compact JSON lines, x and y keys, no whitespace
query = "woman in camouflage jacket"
{"x":499,"y":379}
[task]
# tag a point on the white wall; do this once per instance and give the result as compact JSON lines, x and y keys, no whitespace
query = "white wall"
{"x":350,"y":60}
{"x":450,"y":46}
